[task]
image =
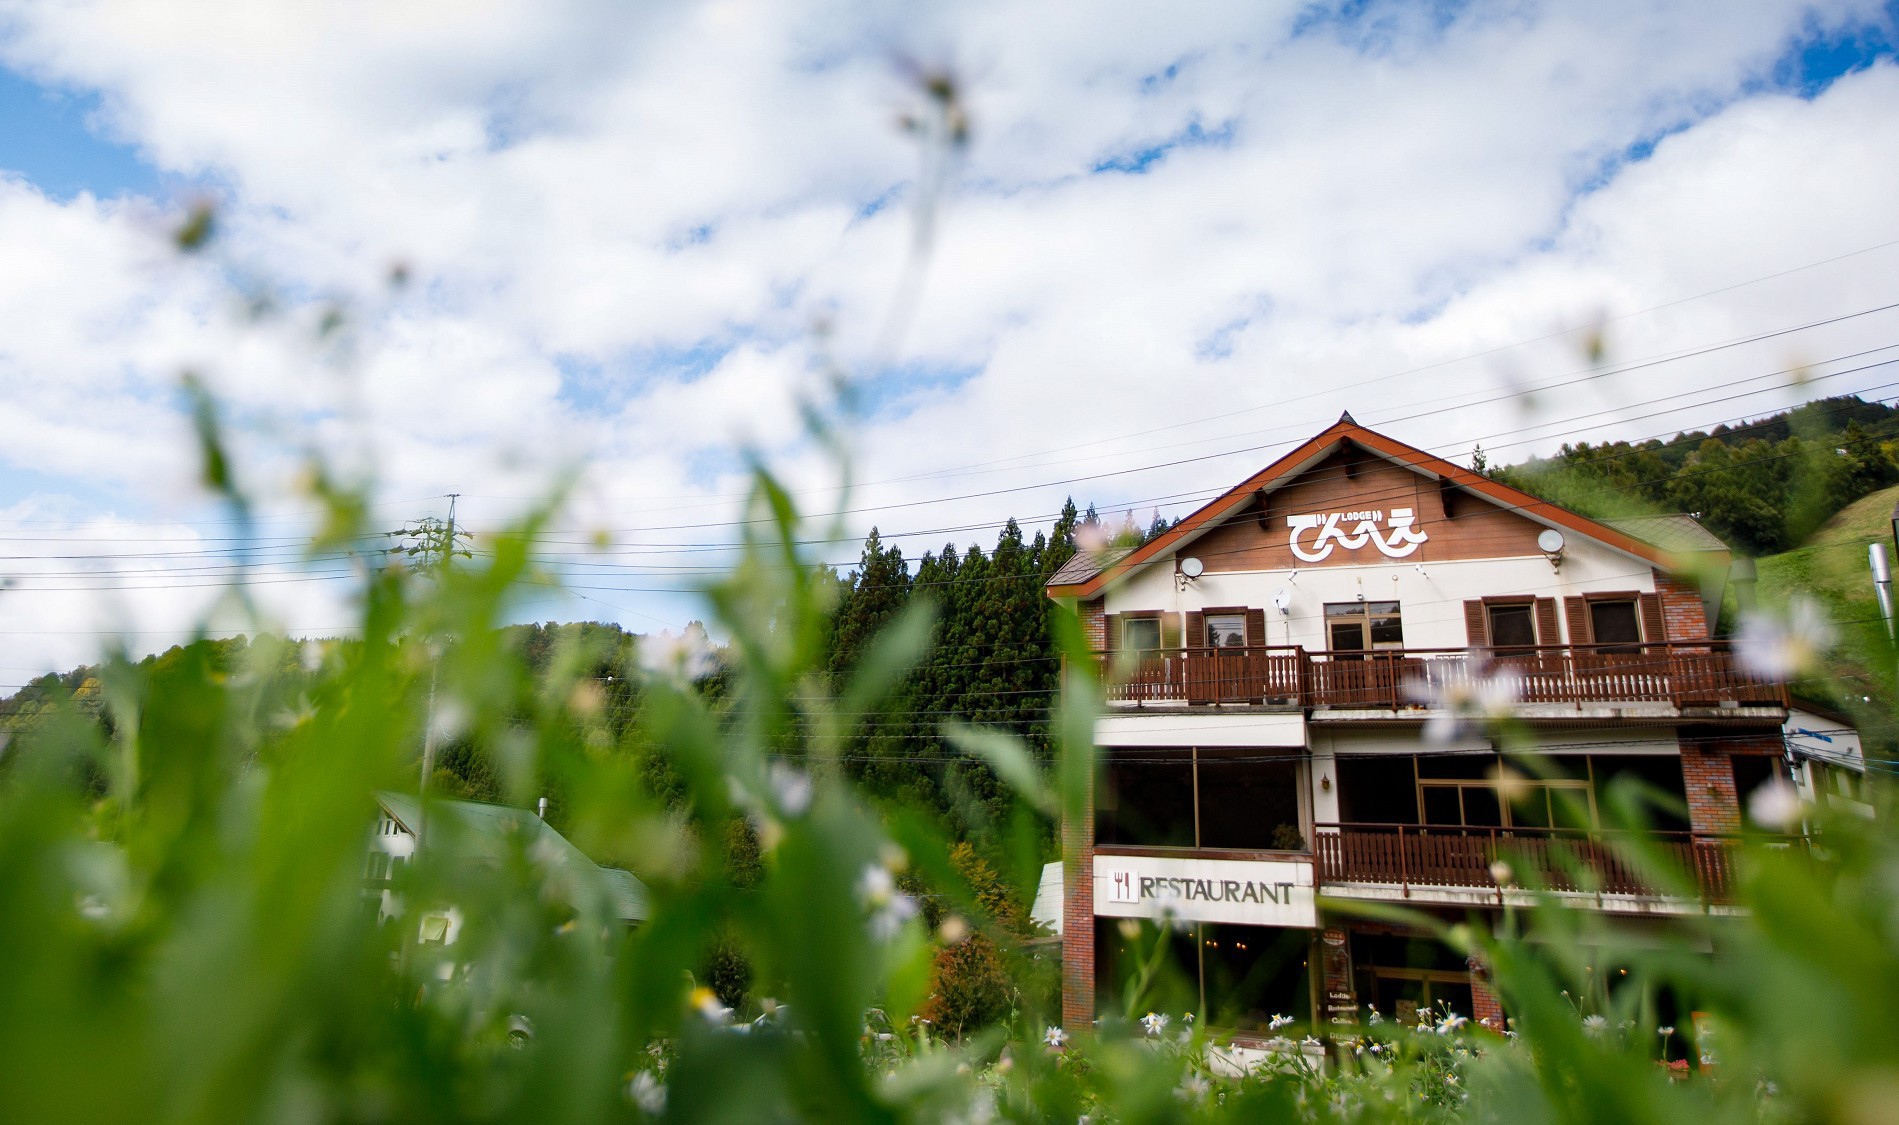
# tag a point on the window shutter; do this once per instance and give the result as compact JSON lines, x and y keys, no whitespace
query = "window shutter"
{"x":1110,"y":632}
{"x":1256,"y":628}
{"x":1577,"y":610}
{"x":1546,"y":622}
{"x":1196,"y":629}
{"x":1476,"y":625}
{"x":1170,"y":630}
{"x":1654,"y":627}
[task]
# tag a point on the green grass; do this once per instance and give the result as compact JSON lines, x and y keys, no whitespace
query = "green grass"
{"x":1832,"y":567}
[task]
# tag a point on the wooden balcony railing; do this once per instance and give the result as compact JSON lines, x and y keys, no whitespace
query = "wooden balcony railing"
{"x":1674,"y":864}
{"x":1703,"y":673}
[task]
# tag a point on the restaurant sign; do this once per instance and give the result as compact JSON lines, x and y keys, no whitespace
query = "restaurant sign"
{"x":1275,"y":892}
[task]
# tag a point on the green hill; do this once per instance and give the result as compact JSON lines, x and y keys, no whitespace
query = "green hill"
{"x":1831,"y":566}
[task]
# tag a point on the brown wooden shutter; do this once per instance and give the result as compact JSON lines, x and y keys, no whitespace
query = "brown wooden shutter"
{"x":1654,"y":626}
{"x":1546,"y":622}
{"x":1256,"y":628}
{"x":1476,"y":625}
{"x":1196,"y":629}
{"x":1110,"y":632}
{"x":1170,"y":630}
{"x":1580,"y":630}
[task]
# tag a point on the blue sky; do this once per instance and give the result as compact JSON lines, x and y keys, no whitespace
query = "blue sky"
{"x":1176,"y":242}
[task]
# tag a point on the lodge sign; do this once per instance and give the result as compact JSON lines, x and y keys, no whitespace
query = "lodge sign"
{"x":1259,"y":893}
{"x":1352,"y":530}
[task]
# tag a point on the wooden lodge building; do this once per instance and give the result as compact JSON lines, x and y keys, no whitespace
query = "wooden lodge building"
{"x":1285,"y":668}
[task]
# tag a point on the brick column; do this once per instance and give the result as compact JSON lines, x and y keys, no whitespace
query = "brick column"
{"x":1078,"y":917}
{"x":1707,"y":777}
{"x":1485,"y":1008}
{"x":1683,"y":611}
{"x":1094,"y":624}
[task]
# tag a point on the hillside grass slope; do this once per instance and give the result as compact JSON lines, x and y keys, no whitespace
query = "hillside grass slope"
{"x":1831,"y":566}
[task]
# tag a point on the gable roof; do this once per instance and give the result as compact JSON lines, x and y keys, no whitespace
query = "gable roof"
{"x":490,"y":833}
{"x":1342,"y":433}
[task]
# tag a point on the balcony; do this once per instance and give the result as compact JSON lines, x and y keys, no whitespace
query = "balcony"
{"x":1682,"y":675}
{"x":1415,"y":860}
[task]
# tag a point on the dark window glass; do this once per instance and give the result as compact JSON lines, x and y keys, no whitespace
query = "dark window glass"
{"x":1653,"y":779}
{"x":1530,"y":806}
{"x":1249,"y":803}
{"x":1751,"y":771}
{"x":1142,"y":634}
{"x":1377,"y":790}
{"x":1441,"y":805}
{"x":1615,"y":623}
{"x":1481,"y":807}
{"x":1149,"y":799}
{"x":1348,"y":636}
{"x":1226,"y":630}
{"x":1176,"y":987}
{"x":1463,"y":767}
{"x":1512,"y":626}
{"x":1254,"y":973}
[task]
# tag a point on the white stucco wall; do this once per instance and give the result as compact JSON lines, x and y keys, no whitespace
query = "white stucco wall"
{"x":1431,"y":595}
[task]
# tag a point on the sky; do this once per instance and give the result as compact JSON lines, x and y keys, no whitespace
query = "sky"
{"x":634,"y":239}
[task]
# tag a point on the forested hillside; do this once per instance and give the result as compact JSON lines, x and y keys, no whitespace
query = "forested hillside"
{"x":1763,"y":486}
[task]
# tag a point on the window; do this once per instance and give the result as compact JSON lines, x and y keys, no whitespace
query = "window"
{"x":1226,"y":630}
{"x":1248,"y":800}
{"x":1615,"y":623}
{"x":1359,"y":626}
{"x":1512,"y":626}
{"x":1141,"y":634}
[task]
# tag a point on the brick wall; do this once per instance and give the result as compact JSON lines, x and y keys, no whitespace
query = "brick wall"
{"x":1485,"y":1008}
{"x":1707,"y":774}
{"x":1682,"y":610}
{"x":1708,"y":779}
{"x":1078,"y":913}
{"x":1094,"y":624}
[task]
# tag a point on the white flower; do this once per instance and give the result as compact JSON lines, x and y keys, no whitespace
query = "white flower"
{"x":1193,"y":1088}
{"x":790,"y":787}
{"x":1501,"y":873}
{"x":1594,"y":1025}
{"x":1451,"y":1022}
{"x":1664,"y":1031}
{"x":683,"y":658}
{"x":1776,"y":805}
{"x":1278,"y":1022}
{"x":1167,"y":909}
{"x":646,"y":1092}
{"x":1154,"y":1023}
{"x":1780,"y":648}
{"x":1055,"y":1037}
{"x":1463,"y":697}
{"x":889,"y":908}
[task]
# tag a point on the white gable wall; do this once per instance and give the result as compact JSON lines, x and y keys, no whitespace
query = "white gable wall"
{"x":1431,"y":595}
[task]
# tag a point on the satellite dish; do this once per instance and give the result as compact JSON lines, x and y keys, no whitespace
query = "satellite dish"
{"x":1191,"y":567}
{"x":1550,"y":542}
{"x":1282,"y":600}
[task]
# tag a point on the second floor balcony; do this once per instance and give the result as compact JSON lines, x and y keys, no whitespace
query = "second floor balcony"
{"x":1695,"y":674}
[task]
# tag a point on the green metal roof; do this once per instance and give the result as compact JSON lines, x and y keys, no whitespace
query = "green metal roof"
{"x":1678,"y":531}
{"x":492,"y":832}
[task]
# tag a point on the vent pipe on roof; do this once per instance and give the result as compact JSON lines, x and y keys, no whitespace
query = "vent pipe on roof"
{"x":542,"y":810}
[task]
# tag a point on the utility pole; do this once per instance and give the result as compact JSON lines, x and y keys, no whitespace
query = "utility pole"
{"x":430,"y":547}
{"x":1882,"y":583}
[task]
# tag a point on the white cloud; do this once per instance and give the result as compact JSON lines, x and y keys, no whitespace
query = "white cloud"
{"x":587,"y":192}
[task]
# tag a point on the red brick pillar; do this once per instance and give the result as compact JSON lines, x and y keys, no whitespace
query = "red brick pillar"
{"x":1094,"y":624}
{"x":1485,"y":1008}
{"x":1684,"y":614}
{"x":1707,"y":778}
{"x":1078,"y":917}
